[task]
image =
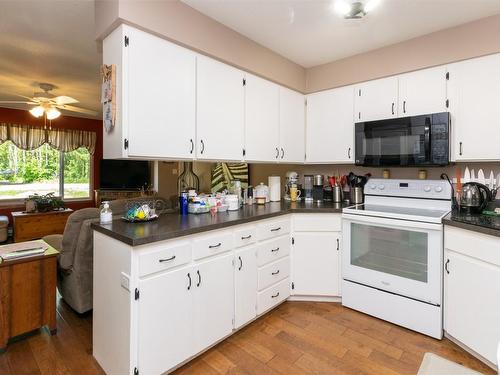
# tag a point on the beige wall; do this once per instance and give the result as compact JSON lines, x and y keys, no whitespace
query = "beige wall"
{"x":182,"y":24}
{"x":481,"y":37}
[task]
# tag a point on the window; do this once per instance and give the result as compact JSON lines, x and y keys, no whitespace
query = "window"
{"x":44,"y":170}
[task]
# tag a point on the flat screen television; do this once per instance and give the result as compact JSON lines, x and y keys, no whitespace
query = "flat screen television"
{"x":124,"y":174}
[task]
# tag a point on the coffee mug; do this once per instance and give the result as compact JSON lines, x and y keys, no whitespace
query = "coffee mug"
{"x":294,"y":193}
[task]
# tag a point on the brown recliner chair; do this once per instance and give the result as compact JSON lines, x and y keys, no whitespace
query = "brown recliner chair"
{"x":75,"y":261}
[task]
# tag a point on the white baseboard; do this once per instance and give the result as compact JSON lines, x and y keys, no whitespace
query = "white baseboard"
{"x":314,"y":299}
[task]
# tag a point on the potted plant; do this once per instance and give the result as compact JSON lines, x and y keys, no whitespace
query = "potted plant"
{"x":43,"y":203}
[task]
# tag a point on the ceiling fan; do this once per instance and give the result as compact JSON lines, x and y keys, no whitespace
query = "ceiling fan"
{"x":49,"y":104}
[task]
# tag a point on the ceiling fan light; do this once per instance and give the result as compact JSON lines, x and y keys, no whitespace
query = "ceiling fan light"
{"x":37,"y":111}
{"x":370,"y":5}
{"x":53,"y":113}
{"x":342,"y":7}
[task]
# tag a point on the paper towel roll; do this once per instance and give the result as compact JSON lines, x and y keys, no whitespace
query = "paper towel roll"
{"x":274,"y":183}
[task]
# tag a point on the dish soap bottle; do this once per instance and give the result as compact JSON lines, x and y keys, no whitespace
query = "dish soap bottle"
{"x":106,"y":214}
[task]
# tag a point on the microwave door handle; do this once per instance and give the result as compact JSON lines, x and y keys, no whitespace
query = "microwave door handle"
{"x":427,"y":143}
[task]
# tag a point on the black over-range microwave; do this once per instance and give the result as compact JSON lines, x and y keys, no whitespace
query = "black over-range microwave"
{"x":407,"y":142}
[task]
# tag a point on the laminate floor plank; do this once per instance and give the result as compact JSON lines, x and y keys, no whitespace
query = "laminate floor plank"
{"x":297,"y":338}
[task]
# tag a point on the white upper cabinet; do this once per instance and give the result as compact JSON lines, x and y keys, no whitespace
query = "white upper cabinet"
{"x":161,"y":97}
{"x":262,"y":119}
{"x":330,"y":126}
{"x":422,"y":92}
{"x":292,"y":126}
{"x":376,"y":100}
{"x":474,"y":95}
{"x":220,"y":111}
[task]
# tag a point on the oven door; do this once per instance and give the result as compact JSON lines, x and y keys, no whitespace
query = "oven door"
{"x":397,"y":256}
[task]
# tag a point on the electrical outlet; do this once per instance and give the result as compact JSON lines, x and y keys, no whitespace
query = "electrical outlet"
{"x":125,"y":281}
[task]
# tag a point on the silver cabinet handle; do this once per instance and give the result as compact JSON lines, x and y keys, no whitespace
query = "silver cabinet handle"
{"x":167,"y":260}
{"x":276,"y":295}
{"x":214,"y":246}
{"x":275,"y":273}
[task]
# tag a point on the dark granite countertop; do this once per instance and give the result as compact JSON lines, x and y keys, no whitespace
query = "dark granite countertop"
{"x":474,"y":222}
{"x":173,"y":225}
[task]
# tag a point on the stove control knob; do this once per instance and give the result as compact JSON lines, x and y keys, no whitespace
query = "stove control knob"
{"x":438,"y":189}
{"x":381,"y":187}
{"x":373,"y":186}
{"x":427,"y":189}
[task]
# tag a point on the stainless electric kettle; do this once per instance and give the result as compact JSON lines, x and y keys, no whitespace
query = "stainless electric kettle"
{"x":474,"y":197}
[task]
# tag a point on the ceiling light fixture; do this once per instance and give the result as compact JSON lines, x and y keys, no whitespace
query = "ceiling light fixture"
{"x":37,"y":111}
{"x":354,"y":9}
{"x":53,"y":113}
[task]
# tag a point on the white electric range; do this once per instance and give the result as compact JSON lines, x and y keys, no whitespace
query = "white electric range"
{"x":392,"y":261}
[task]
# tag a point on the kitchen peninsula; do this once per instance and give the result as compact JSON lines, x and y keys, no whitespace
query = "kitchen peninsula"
{"x":168,"y":290}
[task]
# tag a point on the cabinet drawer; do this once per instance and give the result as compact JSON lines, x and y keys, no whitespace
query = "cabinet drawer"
{"x":476,"y":245}
{"x":164,"y":258}
{"x":273,"y":229}
{"x":208,"y":245}
{"x":317,"y":222}
{"x":245,"y":236}
{"x":273,"y":296}
{"x":272,"y":250}
{"x":273,"y":272}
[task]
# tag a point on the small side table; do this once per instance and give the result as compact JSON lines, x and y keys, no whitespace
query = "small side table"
{"x":34,"y":225}
{"x":27,"y":295}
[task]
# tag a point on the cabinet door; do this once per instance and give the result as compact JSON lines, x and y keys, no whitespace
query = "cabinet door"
{"x":376,"y":100}
{"x":422,"y":92}
{"x":472,"y":303}
{"x":315,"y":264}
{"x":474,"y":94}
{"x":213,"y":300}
{"x":165,"y":321}
{"x":220,"y":111}
{"x":330,"y":126}
{"x":262,"y":116}
{"x":161,"y":101}
{"x":245,"y":286}
{"x":292,"y":126}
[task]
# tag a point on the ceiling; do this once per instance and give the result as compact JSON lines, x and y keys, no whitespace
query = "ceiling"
{"x":309,"y":33}
{"x":49,"y":41}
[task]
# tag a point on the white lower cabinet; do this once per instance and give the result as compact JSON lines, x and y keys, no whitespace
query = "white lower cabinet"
{"x":316,"y":264}
{"x":472,"y":290}
{"x":316,"y":248}
{"x":245,"y":286}
{"x":213,"y":300}
{"x":157,"y":351}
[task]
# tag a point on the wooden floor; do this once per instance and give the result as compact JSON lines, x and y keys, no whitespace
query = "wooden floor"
{"x":296,"y":338}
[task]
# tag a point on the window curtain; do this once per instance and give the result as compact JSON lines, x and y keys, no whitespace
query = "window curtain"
{"x":28,"y":137}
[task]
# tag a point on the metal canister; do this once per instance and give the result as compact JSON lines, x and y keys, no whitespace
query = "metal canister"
{"x":337,"y":194}
{"x":183,"y":203}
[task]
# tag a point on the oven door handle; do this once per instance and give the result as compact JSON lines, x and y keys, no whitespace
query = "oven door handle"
{"x":390,"y":223}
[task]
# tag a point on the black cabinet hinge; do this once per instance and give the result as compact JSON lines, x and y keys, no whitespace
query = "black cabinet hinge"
{"x":359,"y":92}
{"x":244,"y":82}
{"x":447,"y":103}
{"x":244,"y":152}
{"x":293,"y":285}
{"x":126,"y":41}
{"x":447,"y":76}
{"x":136,"y":371}
{"x":293,"y":241}
{"x":125,"y":143}
{"x":136,"y":294}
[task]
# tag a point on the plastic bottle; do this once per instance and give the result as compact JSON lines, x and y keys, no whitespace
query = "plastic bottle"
{"x":106,"y":216}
